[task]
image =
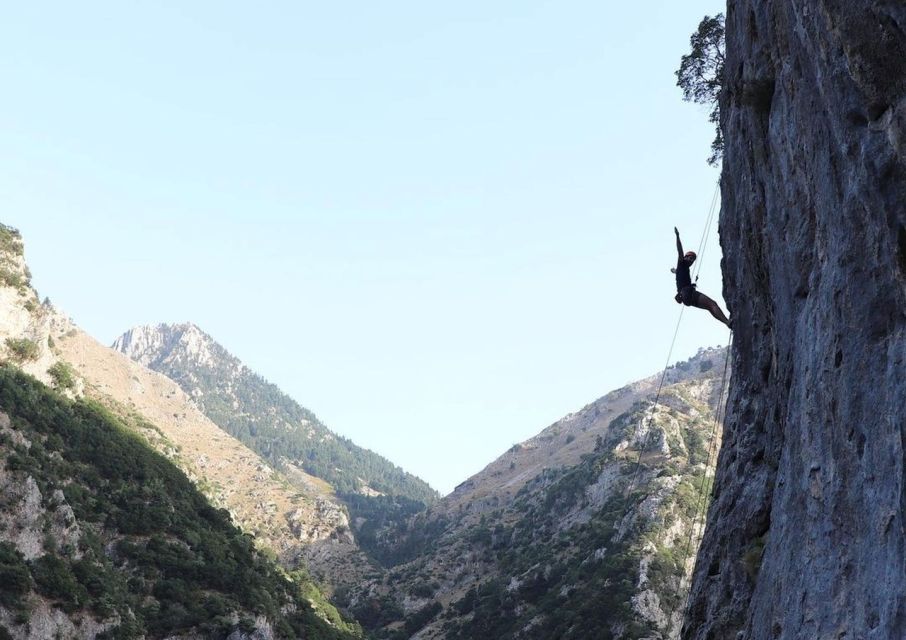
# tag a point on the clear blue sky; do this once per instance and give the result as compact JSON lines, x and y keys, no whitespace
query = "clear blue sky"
{"x":441,"y":227}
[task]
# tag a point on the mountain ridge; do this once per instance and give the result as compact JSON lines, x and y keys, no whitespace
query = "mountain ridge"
{"x":574,"y":440}
{"x":298,"y":520}
{"x":248,"y":406}
{"x":551,"y":539}
{"x":597,"y":543}
{"x":435,"y":546}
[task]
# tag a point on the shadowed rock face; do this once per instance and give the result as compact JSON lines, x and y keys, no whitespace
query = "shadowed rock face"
{"x":813,"y":229}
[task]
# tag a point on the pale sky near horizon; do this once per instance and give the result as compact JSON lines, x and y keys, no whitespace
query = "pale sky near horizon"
{"x":439,"y":227}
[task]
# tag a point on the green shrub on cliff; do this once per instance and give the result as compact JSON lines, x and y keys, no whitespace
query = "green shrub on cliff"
{"x":15,"y":580}
{"x":22,"y":349}
{"x":62,"y":375}
{"x":10,"y":240}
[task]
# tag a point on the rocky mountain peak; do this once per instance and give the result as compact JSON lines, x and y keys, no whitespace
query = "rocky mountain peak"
{"x":257,"y":412}
{"x":153,"y":344}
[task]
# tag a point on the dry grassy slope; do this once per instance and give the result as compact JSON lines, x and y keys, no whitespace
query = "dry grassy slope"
{"x":296,"y":517}
{"x":562,"y":444}
{"x":457,"y":562}
{"x":285,"y":516}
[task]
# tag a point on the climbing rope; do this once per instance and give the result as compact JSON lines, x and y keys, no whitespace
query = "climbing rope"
{"x":702,"y":245}
{"x":657,"y":399}
{"x":706,"y":235}
{"x":699,"y":507}
{"x":718,"y":419}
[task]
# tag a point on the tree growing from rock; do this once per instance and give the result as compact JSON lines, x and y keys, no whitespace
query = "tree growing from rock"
{"x":701,"y":75}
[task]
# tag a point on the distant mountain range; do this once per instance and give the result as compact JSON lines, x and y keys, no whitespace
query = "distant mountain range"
{"x":586,"y":530}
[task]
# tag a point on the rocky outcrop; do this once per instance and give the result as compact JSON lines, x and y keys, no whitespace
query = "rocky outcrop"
{"x":330,"y":522}
{"x":153,"y":345}
{"x":47,"y":621}
{"x":25,"y":323}
{"x":37,"y":525}
{"x":813,"y":228}
{"x":564,"y":443}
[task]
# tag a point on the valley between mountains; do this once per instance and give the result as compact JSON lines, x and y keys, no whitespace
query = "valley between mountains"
{"x":587,"y":530}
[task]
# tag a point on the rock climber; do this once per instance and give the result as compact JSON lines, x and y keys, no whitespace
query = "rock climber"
{"x":685,"y":290}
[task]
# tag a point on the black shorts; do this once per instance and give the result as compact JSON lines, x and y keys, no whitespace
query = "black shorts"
{"x":688,"y":296}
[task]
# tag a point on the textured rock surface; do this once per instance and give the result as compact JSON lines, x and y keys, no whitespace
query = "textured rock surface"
{"x":29,"y":521}
{"x":813,"y":228}
{"x":22,"y":316}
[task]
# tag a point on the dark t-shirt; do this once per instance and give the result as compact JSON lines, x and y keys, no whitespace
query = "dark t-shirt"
{"x":683,"y":278}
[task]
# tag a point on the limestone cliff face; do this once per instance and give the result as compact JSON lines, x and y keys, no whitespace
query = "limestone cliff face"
{"x":813,"y":228}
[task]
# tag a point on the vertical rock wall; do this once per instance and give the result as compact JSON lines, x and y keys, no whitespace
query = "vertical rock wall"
{"x":813,"y":229}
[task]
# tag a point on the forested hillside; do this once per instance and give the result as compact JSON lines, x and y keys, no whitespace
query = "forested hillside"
{"x":98,"y":526}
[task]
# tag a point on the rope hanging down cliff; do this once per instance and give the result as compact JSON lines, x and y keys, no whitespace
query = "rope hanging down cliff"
{"x":720,"y":413}
{"x":704,"y":488}
{"x":702,"y":245}
{"x":701,"y":503}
